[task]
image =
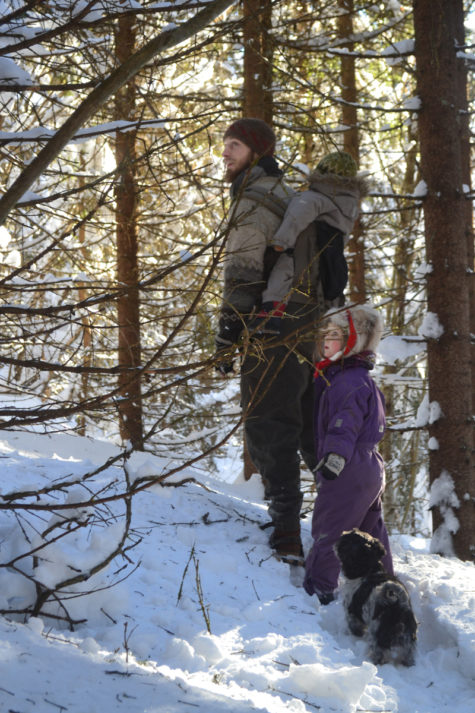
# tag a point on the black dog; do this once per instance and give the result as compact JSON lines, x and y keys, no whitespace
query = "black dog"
{"x":377,"y":604}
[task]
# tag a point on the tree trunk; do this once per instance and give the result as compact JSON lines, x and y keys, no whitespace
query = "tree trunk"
{"x":448,"y":291}
{"x":349,"y":95}
{"x":258,"y":50}
{"x":466,"y":176}
{"x":86,"y":323}
{"x":128,"y":305}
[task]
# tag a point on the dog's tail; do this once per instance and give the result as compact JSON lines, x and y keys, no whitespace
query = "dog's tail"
{"x":394,"y":606}
{"x":394,"y":593}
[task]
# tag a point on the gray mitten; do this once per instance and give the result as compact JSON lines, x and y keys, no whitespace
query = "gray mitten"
{"x":331,"y":466}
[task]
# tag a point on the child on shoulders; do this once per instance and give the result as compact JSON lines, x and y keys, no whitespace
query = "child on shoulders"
{"x":333,"y":200}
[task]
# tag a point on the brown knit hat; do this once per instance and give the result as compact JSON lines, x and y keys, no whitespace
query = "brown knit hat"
{"x":255,"y":133}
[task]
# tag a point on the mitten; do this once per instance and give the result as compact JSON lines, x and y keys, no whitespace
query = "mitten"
{"x":224,"y":366}
{"x":268,"y":319}
{"x":224,"y":349}
{"x":225,"y":342}
{"x":331,"y":466}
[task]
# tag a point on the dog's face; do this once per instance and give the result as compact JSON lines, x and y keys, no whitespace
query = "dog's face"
{"x":359,"y":553}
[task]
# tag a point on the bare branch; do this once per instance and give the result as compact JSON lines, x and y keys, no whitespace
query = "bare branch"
{"x":164,"y":41}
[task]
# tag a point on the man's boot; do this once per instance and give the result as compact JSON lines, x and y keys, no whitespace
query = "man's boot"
{"x":287,"y":545}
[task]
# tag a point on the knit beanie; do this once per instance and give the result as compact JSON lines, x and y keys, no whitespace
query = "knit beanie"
{"x":360,"y":323}
{"x":338,"y":162}
{"x":255,"y":133}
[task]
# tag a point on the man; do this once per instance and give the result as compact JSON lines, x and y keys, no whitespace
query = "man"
{"x":276,"y":374}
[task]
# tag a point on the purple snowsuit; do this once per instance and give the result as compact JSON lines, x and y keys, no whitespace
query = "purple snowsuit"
{"x":350,"y":421}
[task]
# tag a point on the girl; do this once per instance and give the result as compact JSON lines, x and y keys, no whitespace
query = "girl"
{"x":349,"y":422}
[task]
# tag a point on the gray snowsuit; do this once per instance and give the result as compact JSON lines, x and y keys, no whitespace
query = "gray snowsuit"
{"x":331,"y":198}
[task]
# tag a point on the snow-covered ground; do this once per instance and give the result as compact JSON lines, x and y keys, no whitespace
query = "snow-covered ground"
{"x":203,"y":563}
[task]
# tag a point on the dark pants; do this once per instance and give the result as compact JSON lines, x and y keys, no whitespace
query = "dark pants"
{"x":277,"y":396}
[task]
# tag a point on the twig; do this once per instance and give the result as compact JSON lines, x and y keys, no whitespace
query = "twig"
{"x":186,"y":703}
{"x":180,"y":591}
{"x":56,"y":705}
{"x":204,"y":609}
{"x":297,"y":698}
{"x":126,"y":640}
{"x":255,"y":590}
{"x":4,"y":690}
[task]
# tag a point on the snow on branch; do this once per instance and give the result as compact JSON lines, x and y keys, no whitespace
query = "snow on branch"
{"x":40,"y":133}
{"x":157,"y":45}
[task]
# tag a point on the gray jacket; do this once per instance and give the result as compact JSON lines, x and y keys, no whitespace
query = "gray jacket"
{"x":251,"y":229}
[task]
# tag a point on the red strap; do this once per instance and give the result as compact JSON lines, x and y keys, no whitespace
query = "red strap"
{"x":320,"y":366}
{"x":352,"y":337}
{"x":278,"y":310}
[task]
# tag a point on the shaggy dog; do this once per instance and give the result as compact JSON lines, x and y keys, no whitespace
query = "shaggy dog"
{"x":377,"y":604}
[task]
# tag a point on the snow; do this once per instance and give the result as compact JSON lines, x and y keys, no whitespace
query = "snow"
{"x":202,"y":617}
{"x":101,"y":7}
{"x":41,"y":133}
{"x":435,"y":412}
{"x":443,"y":495}
{"x":412,"y":103}
{"x":431,"y":327}
{"x":428,"y":412}
{"x":420,"y":190}
{"x":394,"y":348}
{"x":395,"y":6}
{"x":11,"y":72}
{"x":397,"y":50}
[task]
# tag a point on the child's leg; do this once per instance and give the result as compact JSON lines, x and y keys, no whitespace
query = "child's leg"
{"x":279,"y":282}
{"x":274,"y":297}
{"x":331,"y":516}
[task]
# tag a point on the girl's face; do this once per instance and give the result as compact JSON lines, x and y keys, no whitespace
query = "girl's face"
{"x":332,"y":341}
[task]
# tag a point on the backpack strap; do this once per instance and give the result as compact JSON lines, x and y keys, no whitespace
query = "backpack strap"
{"x":269,"y":200}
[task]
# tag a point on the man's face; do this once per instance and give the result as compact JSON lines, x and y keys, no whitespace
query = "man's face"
{"x":237,"y":156}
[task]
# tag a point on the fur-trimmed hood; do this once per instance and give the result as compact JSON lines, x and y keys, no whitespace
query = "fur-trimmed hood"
{"x":332,"y":182}
{"x":368,"y":325}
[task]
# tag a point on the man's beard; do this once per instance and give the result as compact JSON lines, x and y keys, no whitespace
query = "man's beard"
{"x":232,"y":173}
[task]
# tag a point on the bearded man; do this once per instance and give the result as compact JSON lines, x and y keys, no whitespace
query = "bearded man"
{"x":276,"y":374}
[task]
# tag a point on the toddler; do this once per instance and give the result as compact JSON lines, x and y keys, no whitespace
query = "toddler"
{"x":333,"y":200}
{"x":349,"y":423}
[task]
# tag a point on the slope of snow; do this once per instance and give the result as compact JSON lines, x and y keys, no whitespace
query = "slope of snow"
{"x":206,"y":620}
